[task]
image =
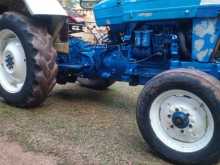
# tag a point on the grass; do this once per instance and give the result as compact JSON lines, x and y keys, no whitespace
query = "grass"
{"x":81,"y":126}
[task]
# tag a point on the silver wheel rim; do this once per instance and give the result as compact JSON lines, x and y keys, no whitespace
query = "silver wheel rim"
{"x":13,"y":67}
{"x":179,"y":104}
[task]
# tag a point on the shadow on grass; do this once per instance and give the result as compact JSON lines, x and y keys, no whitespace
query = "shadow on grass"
{"x":116,"y":97}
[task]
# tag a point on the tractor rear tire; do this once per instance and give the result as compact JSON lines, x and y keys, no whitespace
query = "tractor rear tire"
{"x":27,"y":61}
{"x":179,"y":117}
{"x":96,"y":84}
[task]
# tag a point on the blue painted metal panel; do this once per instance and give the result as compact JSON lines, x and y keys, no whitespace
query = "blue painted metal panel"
{"x":109,"y":12}
{"x":208,"y":11}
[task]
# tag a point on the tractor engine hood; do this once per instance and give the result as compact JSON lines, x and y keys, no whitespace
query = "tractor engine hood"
{"x":109,"y":12}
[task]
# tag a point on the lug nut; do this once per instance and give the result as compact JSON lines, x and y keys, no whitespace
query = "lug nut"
{"x":171,"y":126}
{"x":190,"y":126}
{"x":177,"y":110}
{"x":169,"y":116}
{"x":182,"y":131}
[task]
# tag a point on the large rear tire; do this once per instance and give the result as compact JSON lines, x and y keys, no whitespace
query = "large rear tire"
{"x":27,"y":61}
{"x":178,"y":115}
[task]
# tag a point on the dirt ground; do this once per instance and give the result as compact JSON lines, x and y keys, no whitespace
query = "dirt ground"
{"x":75,"y":126}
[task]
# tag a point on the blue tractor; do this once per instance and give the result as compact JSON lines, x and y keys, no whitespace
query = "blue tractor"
{"x":171,"y":47}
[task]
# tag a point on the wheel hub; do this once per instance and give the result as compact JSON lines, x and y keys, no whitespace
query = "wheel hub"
{"x":180,"y":120}
{"x":13,"y":66}
{"x":9,"y":62}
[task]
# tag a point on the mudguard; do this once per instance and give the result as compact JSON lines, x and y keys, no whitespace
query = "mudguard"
{"x":45,"y":7}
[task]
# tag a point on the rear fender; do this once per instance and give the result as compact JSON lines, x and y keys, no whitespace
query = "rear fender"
{"x":51,"y":8}
{"x":45,"y":7}
{"x":45,"y":10}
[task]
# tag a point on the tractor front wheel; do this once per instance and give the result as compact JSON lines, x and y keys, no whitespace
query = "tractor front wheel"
{"x":27,"y":61}
{"x":179,"y":117}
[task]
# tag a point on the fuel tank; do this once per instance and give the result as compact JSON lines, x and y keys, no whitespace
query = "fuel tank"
{"x":108,"y":12}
